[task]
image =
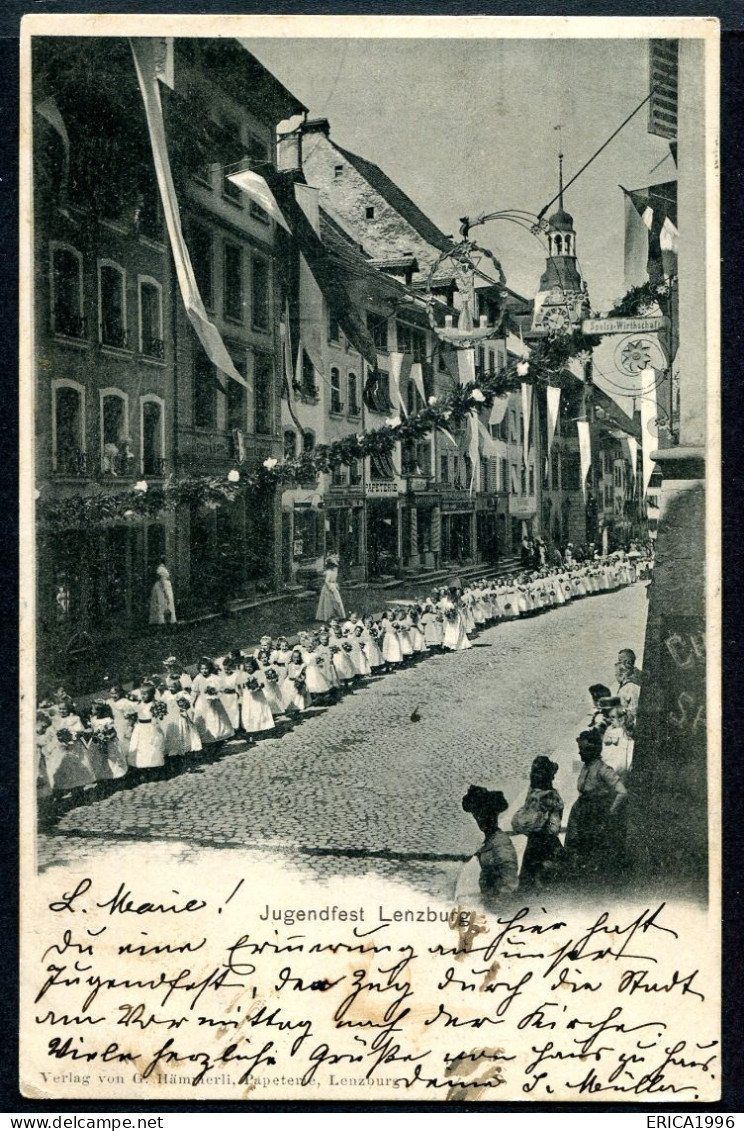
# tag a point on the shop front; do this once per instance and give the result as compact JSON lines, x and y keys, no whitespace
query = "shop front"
{"x":344,"y":530}
{"x":383,"y":529}
{"x":458,"y":529}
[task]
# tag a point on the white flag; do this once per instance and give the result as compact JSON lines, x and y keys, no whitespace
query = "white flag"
{"x":466,"y":366}
{"x":488,"y":446}
{"x":649,"y":423}
{"x":145,"y":61}
{"x":554,"y":404}
{"x":526,"y":405}
{"x":396,"y":365}
{"x":417,"y":376}
{"x":256,"y":188}
{"x":585,"y":451}
{"x":287,"y":348}
{"x":498,"y":412}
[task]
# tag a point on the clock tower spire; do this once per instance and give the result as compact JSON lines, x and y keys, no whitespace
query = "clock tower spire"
{"x":562,"y":299}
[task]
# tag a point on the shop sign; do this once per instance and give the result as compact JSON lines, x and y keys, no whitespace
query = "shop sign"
{"x":382,"y":487}
{"x":638,"y":325}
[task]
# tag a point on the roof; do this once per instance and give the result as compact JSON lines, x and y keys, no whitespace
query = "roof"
{"x":231,"y":66}
{"x":561,"y":219}
{"x":397,"y":199}
{"x":397,"y":263}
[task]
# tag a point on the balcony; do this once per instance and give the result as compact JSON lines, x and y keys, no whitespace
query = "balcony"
{"x":153,"y":348}
{"x":337,"y":407}
{"x":153,"y":467}
{"x":117,"y":461}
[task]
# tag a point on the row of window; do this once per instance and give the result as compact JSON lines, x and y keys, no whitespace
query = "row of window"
{"x":67,"y":303}
{"x":241,"y":272}
{"x":222,"y":403}
{"x":117,"y":455}
{"x":410,"y":339}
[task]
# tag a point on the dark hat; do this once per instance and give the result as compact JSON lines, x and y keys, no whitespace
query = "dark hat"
{"x":479,"y":800}
{"x":609,"y":701}
{"x":543,"y":765}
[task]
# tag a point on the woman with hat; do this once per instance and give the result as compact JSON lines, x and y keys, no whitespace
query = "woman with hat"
{"x":330,"y":603}
{"x":496,"y":856}
{"x":540,"y":820}
{"x":595,"y":834}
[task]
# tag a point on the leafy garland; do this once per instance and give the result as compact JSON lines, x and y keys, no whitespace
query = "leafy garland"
{"x":449,"y":411}
{"x":641,"y":300}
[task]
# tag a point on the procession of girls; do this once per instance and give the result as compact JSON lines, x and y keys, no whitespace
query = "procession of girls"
{"x":151,"y":730}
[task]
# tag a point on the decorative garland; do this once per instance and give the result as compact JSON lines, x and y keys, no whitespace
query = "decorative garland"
{"x":641,"y":300}
{"x":546,"y":366}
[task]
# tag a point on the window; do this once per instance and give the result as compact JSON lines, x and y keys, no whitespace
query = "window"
{"x":233,"y":283}
{"x":514,"y":479}
{"x":513,"y":435}
{"x":308,"y":442}
{"x":67,"y":292}
{"x":229,"y":189}
{"x":377,"y":392}
{"x":480,"y":368}
{"x":444,"y":468}
{"x":336,"y":405}
{"x":260,"y":287}
{"x":377,"y":324}
{"x":68,"y":428}
{"x":555,"y":463}
{"x":263,"y":381}
{"x":152,"y":436}
{"x":338,"y":476}
{"x":151,"y":318}
{"x":571,"y":471}
{"x":505,"y":476}
{"x":531,"y":490}
{"x":205,"y":390}
{"x":236,"y":399}
{"x":116,"y":454}
{"x":483,"y":474}
{"x":334,"y":333}
{"x":456,"y":472}
{"x":355,"y":473}
{"x":338,"y":172}
{"x":200,"y":248}
{"x":523,"y":480}
{"x":258,"y":151}
{"x":290,"y":444}
{"x":353,"y":394}
{"x":412,"y":341}
{"x":112,"y":305}
{"x":369,"y":212}
{"x":309,"y":389}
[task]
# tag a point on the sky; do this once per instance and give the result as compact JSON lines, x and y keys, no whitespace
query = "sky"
{"x":468,"y":126}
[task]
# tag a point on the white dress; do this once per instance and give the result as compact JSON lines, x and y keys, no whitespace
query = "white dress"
{"x":106,"y":757}
{"x":455,"y":636}
{"x":295,"y":695}
{"x":315,"y":676}
{"x":391,"y":647}
{"x":371,"y":649}
{"x":255,"y":710}
{"x":210,"y":717}
{"x":330,"y":603}
{"x":231,"y":686}
{"x":147,"y":745}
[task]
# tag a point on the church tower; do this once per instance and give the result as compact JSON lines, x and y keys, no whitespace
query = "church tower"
{"x":562,"y":299}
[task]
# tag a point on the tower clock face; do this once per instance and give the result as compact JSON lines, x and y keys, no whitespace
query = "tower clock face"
{"x":556,"y":319}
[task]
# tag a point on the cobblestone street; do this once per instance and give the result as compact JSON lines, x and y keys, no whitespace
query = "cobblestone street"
{"x":360,"y":787}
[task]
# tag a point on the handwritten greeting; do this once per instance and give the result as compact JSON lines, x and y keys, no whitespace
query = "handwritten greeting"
{"x":169,"y":991}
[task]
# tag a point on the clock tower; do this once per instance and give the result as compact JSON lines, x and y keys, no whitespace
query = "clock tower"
{"x":562,"y":299}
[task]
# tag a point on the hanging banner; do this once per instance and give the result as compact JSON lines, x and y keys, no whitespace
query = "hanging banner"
{"x":489,"y":448}
{"x":554,"y":404}
{"x":649,"y":423}
{"x":526,"y":405}
{"x":466,"y":366}
{"x":498,"y":412}
{"x":632,"y":454}
{"x":287,"y":347}
{"x":145,"y":52}
{"x":256,"y":188}
{"x":417,"y":376}
{"x":585,"y":452}
{"x":396,"y":366}
{"x":474,"y":449}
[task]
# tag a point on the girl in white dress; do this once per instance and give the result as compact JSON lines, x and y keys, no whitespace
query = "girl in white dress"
{"x":455,"y":636}
{"x":418,"y":641}
{"x":172,"y":722}
{"x":124,"y":714}
{"x":231,"y":690}
{"x":340,"y":656}
{"x":271,"y":689}
{"x":210,"y":716}
{"x":107,"y":759}
{"x":295,"y":694}
{"x":189,"y":740}
{"x":315,"y":669}
{"x":68,"y":764}
{"x":147,"y":745}
{"x":324,"y":659}
{"x":255,"y":710}
{"x":330,"y":603}
{"x":359,"y":655}
{"x":370,"y":638}
{"x":391,"y":647}
{"x":280,"y":657}
{"x":433,"y":627}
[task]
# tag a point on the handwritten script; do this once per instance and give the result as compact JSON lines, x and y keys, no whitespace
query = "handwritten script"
{"x":169,"y":991}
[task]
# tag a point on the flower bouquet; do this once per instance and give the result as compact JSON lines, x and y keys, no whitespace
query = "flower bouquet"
{"x":252,"y":684}
{"x":346,"y":647}
{"x":159,"y":709}
{"x":184,"y":704}
{"x":271,"y":676}
{"x":65,"y":737}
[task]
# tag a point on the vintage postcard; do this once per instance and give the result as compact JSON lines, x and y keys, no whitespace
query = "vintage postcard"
{"x":370,"y":506}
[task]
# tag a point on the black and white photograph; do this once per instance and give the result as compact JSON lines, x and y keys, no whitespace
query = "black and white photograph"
{"x":370,"y":490}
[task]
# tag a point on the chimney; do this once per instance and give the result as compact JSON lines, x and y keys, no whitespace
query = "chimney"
{"x":317,"y":125}
{"x":289,"y":151}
